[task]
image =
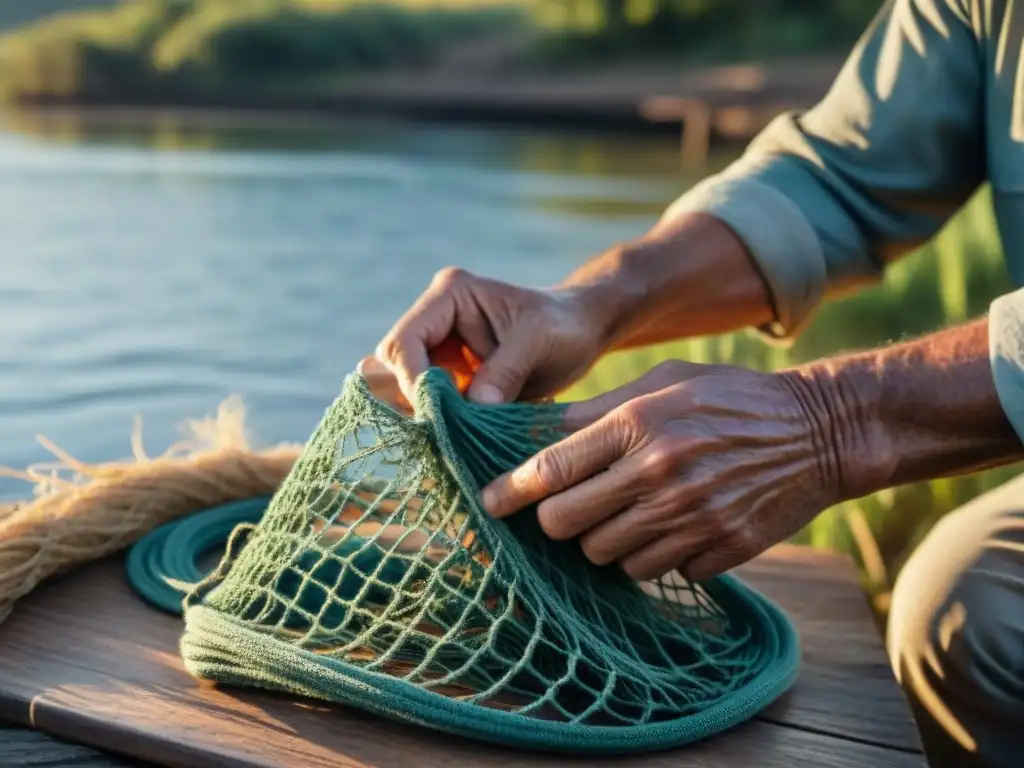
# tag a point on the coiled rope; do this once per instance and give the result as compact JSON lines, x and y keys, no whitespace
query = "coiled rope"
{"x":171,"y":561}
{"x":83,"y":512}
{"x":168,"y":562}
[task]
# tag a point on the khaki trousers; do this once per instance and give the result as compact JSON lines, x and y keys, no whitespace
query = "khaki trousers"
{"x":956,"y":633}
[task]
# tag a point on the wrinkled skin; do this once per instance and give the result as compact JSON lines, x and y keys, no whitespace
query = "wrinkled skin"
{"x":534,"y":343}
{"x":693,"y":467}
{"x":698,"y":467}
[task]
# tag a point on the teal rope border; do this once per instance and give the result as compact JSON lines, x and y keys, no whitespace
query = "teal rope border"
{"x":171,"y":553}
{"x":209,"y":635}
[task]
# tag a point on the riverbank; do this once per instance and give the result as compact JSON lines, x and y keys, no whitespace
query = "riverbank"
{"x":726,"y":104}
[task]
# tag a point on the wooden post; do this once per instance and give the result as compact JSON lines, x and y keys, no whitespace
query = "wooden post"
{"x":695,"y":119}
{"x":696,"y":127}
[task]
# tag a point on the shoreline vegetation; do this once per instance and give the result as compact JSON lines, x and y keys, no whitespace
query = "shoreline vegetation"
{"x":639,"y":65}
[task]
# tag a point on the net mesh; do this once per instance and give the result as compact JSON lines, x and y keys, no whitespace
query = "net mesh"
{"x":376,"y":579}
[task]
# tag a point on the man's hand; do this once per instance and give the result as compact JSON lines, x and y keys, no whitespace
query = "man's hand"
{"x":703,"y":467}
{"x":689,"y":276}
{"x":533,"y":343}
{"x":692,"y":467}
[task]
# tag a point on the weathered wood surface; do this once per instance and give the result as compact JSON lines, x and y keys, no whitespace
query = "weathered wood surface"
{"x":25,"y":748}
{"x":85,"y":660}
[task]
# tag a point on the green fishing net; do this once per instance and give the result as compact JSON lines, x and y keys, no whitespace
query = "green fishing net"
{"x":376,"y":580}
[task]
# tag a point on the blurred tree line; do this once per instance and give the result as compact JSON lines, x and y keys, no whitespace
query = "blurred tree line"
{"x":708,"y":29}
{"x":154,"y":50}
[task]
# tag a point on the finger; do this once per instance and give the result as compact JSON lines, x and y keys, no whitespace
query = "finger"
{"x":405,"y":349}
{"x":560,"y":466}
{"x":717,"y":561}
{"x":661,"y":376}
{"x":383,"y":384}
{"x":634,"y":528}
{"x":663,"y":555}
{"x":591,"y":502}
{"x":502,"y":375}
{"x":475,"y":330}
{"x":586,"y":412}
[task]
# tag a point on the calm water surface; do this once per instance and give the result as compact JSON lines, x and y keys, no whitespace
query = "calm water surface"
{"x":150,"y":268}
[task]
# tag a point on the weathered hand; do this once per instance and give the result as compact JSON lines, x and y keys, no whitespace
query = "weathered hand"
{"x":533,"y":343}
{"x":693,"y":467}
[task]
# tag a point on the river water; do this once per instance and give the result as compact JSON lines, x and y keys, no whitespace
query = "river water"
{"x":154,"y":267}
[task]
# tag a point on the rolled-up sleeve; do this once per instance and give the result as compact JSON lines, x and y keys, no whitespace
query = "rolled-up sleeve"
{"x":1006,"y":348}
{"x":824,"y":199}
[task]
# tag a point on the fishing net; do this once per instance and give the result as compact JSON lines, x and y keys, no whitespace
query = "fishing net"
{"x":376,"y":580}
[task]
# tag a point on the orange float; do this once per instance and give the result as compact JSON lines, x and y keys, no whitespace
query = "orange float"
{"x":459,"y":360}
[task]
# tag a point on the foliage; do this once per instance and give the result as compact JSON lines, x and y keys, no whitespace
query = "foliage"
{"x":146,"y":47}
{"x":89,"y":54}
{"x":151,"y":47}
{"x":936,"y":286}
{"x":267,"y":39}
{"x":599,"y":29}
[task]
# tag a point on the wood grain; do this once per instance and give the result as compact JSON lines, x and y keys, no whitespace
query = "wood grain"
{"x":26,"y":748}
{"x":846,"y":684}
{"x":85,"y":660}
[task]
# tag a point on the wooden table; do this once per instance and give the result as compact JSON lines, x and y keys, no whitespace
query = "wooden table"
{"x":84,"y":660}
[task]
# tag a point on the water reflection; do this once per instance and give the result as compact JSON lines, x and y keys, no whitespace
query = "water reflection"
{"x":597,"y":157}
{"x":156,"y":263}
{"x":578,"y":153}
{"x":597,"y":161}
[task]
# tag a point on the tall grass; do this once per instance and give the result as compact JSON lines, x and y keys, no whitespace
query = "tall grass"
{"x":951,"y":279}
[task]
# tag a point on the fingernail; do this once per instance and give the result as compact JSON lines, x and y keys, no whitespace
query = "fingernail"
{"x":486,"y":394}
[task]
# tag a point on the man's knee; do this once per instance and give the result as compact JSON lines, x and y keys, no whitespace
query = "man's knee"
{"x":956,"y":628}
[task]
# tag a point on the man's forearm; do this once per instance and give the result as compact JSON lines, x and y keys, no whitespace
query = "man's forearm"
{"x":688,"y":277}
{"x":909,"y":412}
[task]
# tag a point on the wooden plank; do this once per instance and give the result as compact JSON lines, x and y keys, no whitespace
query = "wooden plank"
{"x":85,"y":660}
{"x":325,"y":738}
{"x":31,"y":749}
{"x":846,"y":685}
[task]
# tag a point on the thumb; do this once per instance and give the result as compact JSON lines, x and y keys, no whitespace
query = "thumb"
{"x":501,"y":377}
{"x":586,"y":412}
